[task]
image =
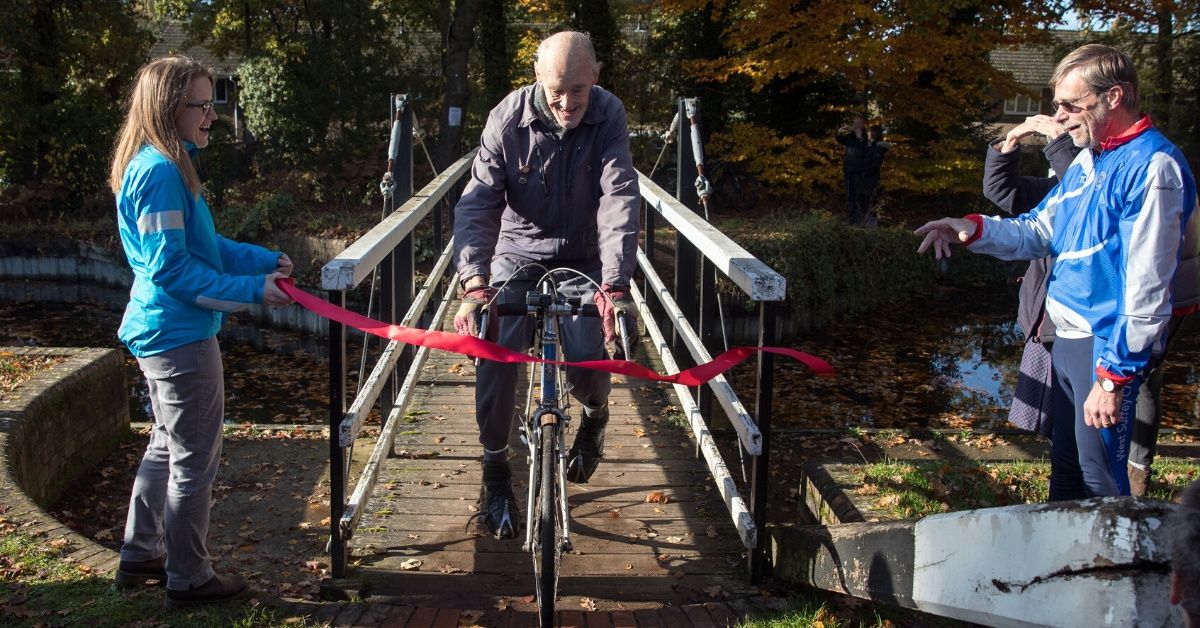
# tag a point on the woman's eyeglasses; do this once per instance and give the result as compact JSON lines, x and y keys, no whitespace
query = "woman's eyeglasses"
{"x":205,"y":106}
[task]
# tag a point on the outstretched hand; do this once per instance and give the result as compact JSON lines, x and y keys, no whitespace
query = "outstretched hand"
{"x":940,"y":234}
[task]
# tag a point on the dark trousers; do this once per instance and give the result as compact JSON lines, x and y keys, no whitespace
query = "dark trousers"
{"x":855,"y":196}
{"x":1093,"y":462}
{"x":582,"y":339}
{"x":1149,"y":403}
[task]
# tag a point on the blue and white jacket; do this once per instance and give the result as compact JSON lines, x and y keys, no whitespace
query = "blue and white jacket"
{"x":1115,"y":226}
{"x":184,"y":274}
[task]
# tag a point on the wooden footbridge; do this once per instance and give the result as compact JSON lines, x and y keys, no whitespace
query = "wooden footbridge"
{"x":662,"y":535}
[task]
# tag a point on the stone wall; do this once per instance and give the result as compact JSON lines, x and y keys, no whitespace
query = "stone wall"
{"x":64,"y":420}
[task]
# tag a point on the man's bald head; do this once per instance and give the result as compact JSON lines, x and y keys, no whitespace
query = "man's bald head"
{"x":566,"y":69}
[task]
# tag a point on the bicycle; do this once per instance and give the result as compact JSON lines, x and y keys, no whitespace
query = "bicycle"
{"x":543,"y":430}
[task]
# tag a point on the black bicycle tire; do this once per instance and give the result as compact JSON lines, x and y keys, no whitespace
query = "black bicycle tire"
{"x":548,"y":529}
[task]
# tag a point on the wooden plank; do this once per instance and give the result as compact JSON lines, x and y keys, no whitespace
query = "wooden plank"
{"x":447,"y":618}
{"x":722,"y":614}
{"x":649,"y":618}
{"x":624,"y":619}
{"x":422,"y":618}
{"x":672,"y":616}
{"x":596,"y":619}
{"x":350,"y":615}
{"x":666,"y":563}
{"x":699,"y":616}
{"x":571,"y":619}
{"x":398,"y":617}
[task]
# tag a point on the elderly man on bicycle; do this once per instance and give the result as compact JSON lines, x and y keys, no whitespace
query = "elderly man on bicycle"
{"x":553,"y":185}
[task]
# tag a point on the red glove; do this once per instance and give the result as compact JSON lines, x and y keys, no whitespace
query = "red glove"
{"x":465,"y":321}
{"x":618,"y":302}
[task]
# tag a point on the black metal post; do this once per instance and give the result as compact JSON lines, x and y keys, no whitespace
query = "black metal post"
{"x":648,"y":217}
{"x":337,"y":463}
{"x":686,"y":263}
{"x":767,"y":335}
{"x":402,"y":256}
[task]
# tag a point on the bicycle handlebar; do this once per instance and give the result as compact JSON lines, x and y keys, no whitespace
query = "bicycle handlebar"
{"x":521,"y":309}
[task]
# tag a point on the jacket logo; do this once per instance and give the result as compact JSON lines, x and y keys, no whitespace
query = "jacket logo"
{"x":1168,"y":188}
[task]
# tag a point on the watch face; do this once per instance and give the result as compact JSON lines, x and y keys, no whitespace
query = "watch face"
{"x":1107,"y":385}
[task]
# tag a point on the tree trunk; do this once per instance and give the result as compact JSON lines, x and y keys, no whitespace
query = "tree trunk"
{"x":1163,"y":70}
{"x":456,"y":46}
{"x":493,"y":46}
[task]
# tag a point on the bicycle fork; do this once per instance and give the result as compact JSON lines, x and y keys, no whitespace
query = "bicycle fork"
{"x":547,"y":419}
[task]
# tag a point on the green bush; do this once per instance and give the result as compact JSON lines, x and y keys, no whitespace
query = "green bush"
{"x":833,"y":269}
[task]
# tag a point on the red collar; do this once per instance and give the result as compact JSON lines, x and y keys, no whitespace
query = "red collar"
{"x":1141,"y":126}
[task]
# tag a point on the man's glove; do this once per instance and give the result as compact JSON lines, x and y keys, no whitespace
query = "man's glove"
{"x":476,"y":293}
{"x":617,"y":303}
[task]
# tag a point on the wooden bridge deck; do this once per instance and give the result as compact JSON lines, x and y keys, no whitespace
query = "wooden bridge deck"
{"x":654,"y":544}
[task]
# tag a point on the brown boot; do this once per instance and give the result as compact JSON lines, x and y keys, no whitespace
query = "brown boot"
{"x":1139,"y":480}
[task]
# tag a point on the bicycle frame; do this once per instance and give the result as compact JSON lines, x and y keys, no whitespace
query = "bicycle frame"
{"x":549,"y":413}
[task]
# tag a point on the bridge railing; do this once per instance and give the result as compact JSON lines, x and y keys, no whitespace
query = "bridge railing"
{"x":700,"y":249}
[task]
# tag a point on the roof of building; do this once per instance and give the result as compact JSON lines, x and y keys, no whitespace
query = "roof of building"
{"x":1033,"y":65}
{"x":171,"y":38}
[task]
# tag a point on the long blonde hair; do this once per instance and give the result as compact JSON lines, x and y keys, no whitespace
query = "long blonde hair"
{"x":158,"y":94}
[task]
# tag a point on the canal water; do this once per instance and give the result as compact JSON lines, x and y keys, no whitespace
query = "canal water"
{"x":945,"y":362}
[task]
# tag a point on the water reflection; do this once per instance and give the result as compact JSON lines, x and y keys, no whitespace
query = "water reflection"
{"x":270,"y":376}
{"x":948,"y":361}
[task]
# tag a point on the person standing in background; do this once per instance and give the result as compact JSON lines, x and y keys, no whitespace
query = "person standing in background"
{"x":854,"y":137}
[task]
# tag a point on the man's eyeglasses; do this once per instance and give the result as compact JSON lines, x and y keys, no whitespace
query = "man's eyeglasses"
{"x":1069,"y":105}
{"x":205,"y":106}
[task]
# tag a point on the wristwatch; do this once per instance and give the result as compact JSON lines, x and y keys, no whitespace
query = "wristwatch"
{"x":1108,"y":386}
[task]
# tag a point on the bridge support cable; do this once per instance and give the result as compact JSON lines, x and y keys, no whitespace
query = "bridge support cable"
{"x":726,"y":486}
{"x":387,"y":433}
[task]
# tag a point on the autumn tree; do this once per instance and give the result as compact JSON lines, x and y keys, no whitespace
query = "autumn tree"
{"x":1163,"y":38}
{"x":66,"y":68}
{"x":920,"y":67}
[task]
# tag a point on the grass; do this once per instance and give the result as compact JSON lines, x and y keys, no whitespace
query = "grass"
{"x":921,"y":488}
{"x":16,"y":370}
{"x":39,"y":588}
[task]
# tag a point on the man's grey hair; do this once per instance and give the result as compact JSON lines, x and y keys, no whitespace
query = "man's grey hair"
{"x":1184,"y":534}
{"x":578,"y":42}
{"x":1102,"y":68}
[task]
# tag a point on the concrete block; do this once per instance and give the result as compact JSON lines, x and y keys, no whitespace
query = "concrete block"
{"x":1098,"y":562}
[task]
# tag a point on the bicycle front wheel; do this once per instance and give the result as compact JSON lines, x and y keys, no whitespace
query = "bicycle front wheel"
{"x":547,"y":551}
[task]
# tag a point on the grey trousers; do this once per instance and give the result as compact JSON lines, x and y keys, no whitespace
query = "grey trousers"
{"x":582,"y":339}
{"x":172,"y":494}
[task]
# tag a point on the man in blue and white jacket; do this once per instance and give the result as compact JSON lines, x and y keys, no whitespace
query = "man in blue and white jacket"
{"x":1115,"y":226}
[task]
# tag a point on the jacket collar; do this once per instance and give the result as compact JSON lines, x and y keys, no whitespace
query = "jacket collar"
{"x":594,"y":115}
{"x":1114,"y":141}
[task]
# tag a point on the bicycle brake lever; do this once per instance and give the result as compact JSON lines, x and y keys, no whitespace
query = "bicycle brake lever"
{"x":483,"y":328}
{"x":623,"y":331}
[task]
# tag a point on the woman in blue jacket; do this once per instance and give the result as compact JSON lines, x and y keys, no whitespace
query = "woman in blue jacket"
{"x":185,"y":277}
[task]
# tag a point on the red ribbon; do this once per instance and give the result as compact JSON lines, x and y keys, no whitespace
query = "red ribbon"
{"x":479,"y":348}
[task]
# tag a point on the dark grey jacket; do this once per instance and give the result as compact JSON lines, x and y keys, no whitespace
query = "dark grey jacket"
{"x":1016,"y":194}
{"x":531,"y":195}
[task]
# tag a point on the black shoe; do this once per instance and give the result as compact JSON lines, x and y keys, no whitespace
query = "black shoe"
{"x":498,"y":507}
{"x":133,"y":573}
{"x":588,"y":448}
{"x":219,"y":588}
